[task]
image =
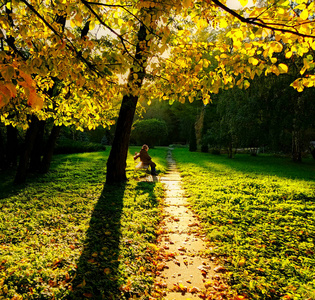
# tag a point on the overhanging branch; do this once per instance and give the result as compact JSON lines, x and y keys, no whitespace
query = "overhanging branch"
{"x":257,"y":22}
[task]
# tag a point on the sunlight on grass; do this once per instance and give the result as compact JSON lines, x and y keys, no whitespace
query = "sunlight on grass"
{"x":258,"y":213}
{"x":66,"y":236}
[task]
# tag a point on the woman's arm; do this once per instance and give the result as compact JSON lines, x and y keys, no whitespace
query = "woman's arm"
{"x":136,"y":156}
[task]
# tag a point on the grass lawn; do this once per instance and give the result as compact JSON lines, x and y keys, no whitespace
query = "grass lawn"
{"x":259,"y":215}
{"x":66,"y":236}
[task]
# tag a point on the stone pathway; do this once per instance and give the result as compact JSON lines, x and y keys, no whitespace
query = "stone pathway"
{"x":183,"y":273}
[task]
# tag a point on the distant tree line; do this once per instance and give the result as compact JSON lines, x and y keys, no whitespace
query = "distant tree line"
{"x":270,"y":115}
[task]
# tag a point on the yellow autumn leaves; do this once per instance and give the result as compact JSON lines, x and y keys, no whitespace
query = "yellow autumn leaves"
{"x":306,"y":10}
{"x":187,"y":64}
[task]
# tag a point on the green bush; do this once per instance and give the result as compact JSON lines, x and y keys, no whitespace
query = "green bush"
{"x":67,"y":146}
{"x":150,"y":131}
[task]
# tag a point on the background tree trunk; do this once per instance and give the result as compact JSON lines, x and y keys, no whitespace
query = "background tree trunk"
{"x":193,"y":139}
{"x":296,"y":146}
{"x":26,"y":151}
{"x":230,"y":150}
{"x":12,"y":146}
{"x":297,"y":128}
{"x":36,"y":155}
{"x":116,"y":163}
{"x":2,"y":152}
{"x":49,"y":149}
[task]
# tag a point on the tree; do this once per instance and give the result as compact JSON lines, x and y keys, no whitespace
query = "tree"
{"x":135,"y":35}
{"x":150,"y":131}
{"x":68,"y":99}
{"x":192,"y":139}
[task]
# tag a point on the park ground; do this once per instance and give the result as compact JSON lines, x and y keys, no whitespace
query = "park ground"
{"x":65,"y":235}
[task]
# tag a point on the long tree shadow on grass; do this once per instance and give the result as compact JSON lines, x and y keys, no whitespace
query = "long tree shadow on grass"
{"x":122,"y":224}
{"x":97,"y":268}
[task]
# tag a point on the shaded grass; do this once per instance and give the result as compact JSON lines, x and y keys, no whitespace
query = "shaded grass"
{"x":258,"y":213}
{"x":66,"y":236}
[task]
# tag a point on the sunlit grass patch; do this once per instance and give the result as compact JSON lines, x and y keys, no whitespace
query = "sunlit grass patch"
{"x":258,"y":213}
{"x":66,"y":236}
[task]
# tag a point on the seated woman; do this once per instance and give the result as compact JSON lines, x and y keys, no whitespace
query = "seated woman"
{"x":146,"y":158}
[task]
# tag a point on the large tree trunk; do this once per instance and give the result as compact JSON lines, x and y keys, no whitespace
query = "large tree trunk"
{"x":27,"y":150}
{"x":116,"y":163}
{"x":12,"y":146}
{"x":49,"y":150}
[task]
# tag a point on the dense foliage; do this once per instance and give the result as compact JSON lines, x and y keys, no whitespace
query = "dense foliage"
{"x":179,"y":117}
{"x":257,"y":213}
{"x":269,"y":115}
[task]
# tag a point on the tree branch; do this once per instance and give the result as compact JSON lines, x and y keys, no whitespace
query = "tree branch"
{"x":128,"y":11}
{"x":10,"y":40}
{"x":86,"y":3}
{"x":257,"y":22}
{"x":71,"y":46}
{"x":107,"y":5}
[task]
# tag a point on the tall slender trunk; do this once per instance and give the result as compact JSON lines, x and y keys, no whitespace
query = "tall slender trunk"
{"x":296,"y":146}
{"x":230,"y":148}
{"x":26,"y":151}
{"x":230,"y":151}
{"x":36,"y":155}
{"x":12,"y":146}
{"x":49,"y":149}
{"x":116,"y":163}
{"x":2,"y":152}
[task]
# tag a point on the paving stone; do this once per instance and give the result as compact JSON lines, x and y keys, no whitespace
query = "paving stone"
{"x":178,"y":210}
{"x":176,"y":201}
{"x":180,"y":296}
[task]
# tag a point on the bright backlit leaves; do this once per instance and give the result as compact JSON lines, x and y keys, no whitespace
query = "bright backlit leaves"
{"x":183,"y":63}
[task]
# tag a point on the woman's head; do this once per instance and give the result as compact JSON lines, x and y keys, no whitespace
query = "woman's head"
{"x":145,"y":147}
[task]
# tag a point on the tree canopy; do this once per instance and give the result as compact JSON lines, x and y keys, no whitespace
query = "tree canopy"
{"x":36,"y":48}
